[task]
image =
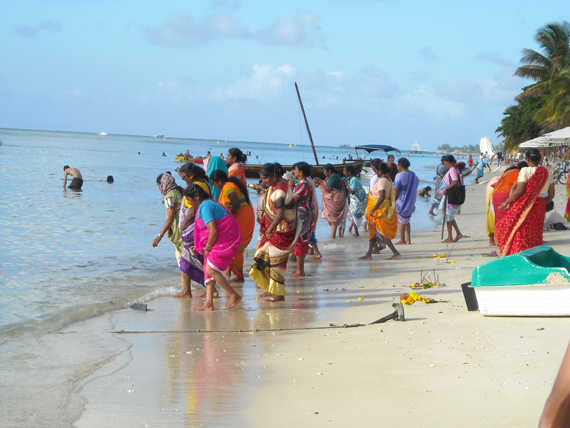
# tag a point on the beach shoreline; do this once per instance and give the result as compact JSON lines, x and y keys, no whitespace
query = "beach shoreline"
{"x":443,"y":366}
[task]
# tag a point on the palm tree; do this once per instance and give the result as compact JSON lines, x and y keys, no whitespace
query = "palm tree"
{"x":555,"y":114}
{"x":554,"y":39}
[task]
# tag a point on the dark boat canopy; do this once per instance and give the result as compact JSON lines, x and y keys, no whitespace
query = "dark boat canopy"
{"x":373,"y":147}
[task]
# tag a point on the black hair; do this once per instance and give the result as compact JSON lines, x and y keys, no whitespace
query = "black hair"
{"x":304,"y":167}
{"x":330,"y":168}
{"x":110,"y":179}
{"x":238,"y":154}
{"x":404,"y":162}
{"x":65,"y":167}
{"x":158,"y":179}
{"x":449,"y":158}
{"x":533,"y":155}
{"x":194,"y":190}
{"x":376,"y":163}
{"x":383,"y":168}
{"x":351,"y":169}
{"x":195,"y":170}
{"x":270,"y":169}
{"x":218,"y":175}
{"x":519,"y":166}
{"x":392,"y":156}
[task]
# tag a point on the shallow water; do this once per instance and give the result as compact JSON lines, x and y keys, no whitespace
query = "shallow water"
{"x":68,"y":256}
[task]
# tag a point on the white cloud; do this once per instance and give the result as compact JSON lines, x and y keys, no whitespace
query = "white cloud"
{"x":300,"y":29}
{"x":491,"y":90}
{"x":426,"y":102}
{"x":185,"y":30}
{"x":264,"y":83}
{"x":48,"y":27}
{"x":373,"y":82}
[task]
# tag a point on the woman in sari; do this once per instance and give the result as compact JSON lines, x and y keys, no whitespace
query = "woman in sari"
{"x":235,"y":197}
{"x":193,"y":174}
{"x":172,"y":197}
{"x":381,"y":212}
{"x":234,"y":160}
{"x":358,"y":199}
{"x":218,"y":238}
{"x":522,"y":226}
{"x":451,"y":179}
{"x":304,"y":195}
{"x":279,"y":232}
{"x":406,"y":188}
{"x":439,"y":174}
{"x":211,"y":164}
{"x":393,"y":167}
{"x":334,"y":199}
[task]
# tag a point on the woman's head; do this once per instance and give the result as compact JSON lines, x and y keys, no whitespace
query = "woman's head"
{"x":383,"y":169}
{"x":329,"y":169}
{"x":449,"y":161}
{"x":533,"y":156}
{"x":391,"y":159}
{"x":271,"y":172}
{"x":350,"y":170}
{"x":376,"y":165}
{"x":235,"y":155}
{"x":218,"y":178}
{"x":190,"y":172}
{"x":303,"y":168}
{"x":196,"y":195}
{"x":403,"y":163}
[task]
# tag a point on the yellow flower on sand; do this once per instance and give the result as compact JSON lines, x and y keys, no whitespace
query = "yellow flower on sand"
{"x":411,"y":297}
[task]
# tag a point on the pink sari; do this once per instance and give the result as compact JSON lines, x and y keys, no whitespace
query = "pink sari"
{"x":226,"y":246}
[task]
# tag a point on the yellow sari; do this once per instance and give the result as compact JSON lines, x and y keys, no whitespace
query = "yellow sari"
{"x":384,"y":219}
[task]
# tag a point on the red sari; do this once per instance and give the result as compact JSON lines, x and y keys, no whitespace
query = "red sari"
{"x":521,"y":226}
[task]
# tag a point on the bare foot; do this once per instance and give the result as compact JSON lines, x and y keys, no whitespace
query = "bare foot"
{"x":262,"y":295}
{"x":366,"y":257}
{"x":448,"y":241}
{"x":274,"y":299}
{"x":204,"y":308}
{"x":400,"y":243}
{"x":317,"y":256}
{"x":297,"y":275}
{"x":216,"y":294}
{"x":458,"y":237}
{"x":184,"y":294}
{"x":395,"y":257}
{"x":492,"y":243}
{"x":408,"y":242}
{"x":237,"y":279}
{"x":432,"y":214}
{"x":356,"y":234}
{"x":233,"y":301}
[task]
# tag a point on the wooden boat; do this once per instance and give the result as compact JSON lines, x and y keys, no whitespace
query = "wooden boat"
{"x":186,"y":159}
{"x":532,"y":283}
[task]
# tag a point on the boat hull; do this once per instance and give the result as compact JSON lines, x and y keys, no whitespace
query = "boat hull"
{"x":539,"y":300}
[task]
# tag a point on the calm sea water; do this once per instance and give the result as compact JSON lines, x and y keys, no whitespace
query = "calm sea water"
{"x":66,"y":256}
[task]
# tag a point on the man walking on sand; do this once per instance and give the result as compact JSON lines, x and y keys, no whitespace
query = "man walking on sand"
{"x":77,"y":181}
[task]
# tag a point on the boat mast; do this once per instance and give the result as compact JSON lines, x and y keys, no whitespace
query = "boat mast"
{"x":307,"y":124}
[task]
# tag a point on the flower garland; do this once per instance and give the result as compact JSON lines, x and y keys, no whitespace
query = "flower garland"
{"x":411,"y":297}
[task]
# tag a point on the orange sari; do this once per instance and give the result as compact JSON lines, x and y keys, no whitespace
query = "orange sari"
{"x":246,"y":221}
{"x":384,"y":220}
{"x":237,"y":171}
{"x":503,"y":190}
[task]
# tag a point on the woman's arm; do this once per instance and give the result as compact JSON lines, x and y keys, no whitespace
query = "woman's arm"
{"x":212,"y":237}
{"x":279,"y":216}
{"x":556,"y":411}
{"x":515,"y":194}
{"x":381,"y":197}
{"x":551,"y":193}
{"x":169,"y":220}
{"x":232,"y":196}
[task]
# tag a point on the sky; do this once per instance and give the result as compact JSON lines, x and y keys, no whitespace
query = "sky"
{"x":369,"y":71}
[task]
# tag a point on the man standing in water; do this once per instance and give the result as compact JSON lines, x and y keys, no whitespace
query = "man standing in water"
{"x":77,"y":181}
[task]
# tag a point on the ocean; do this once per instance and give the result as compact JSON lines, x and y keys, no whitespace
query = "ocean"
{"x":66,"y":256}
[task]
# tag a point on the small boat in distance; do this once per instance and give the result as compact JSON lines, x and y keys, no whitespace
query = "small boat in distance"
{"x":103,"y":133}
{"x":159,"y":136}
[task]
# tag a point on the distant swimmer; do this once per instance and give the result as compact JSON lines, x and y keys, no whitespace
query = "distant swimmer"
{"x":77,"y":181}
{"x":110,"y":179}
{"x":163,"y":154}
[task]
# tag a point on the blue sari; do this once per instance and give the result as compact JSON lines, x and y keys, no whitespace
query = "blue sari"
{"x":214,"y":163}
{"x":408,"y":183}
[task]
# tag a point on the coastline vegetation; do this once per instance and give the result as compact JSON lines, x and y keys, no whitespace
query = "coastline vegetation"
{"x":543,"y":106}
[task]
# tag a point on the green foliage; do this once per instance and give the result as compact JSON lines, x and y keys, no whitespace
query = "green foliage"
{"x":519,"y":124}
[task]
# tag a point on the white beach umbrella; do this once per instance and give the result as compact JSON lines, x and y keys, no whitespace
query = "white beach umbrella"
{"x":560,"y":135}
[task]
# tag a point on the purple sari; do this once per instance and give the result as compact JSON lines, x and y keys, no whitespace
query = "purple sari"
{"x":191,"y":264}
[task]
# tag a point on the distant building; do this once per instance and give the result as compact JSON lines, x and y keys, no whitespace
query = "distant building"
{"x":416,"y":147}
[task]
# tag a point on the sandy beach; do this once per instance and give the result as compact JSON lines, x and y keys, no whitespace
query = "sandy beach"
{"x":284,"y":365}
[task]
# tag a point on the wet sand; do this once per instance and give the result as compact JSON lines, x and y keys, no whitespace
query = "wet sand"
{"x":282,"y":364}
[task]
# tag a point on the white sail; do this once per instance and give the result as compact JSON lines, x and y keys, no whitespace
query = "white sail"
{"x":486,"y":146}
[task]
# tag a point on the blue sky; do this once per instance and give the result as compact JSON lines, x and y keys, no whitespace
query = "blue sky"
{"x":386,"y":72}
